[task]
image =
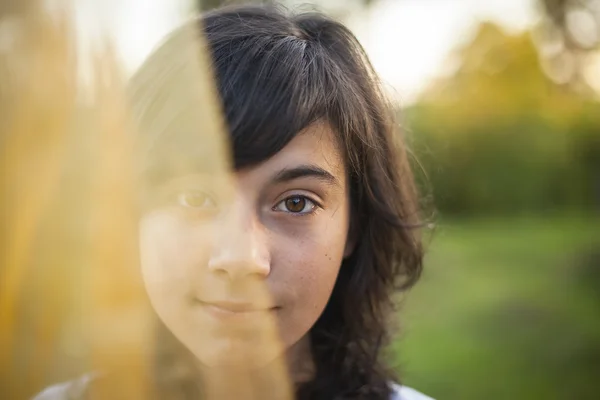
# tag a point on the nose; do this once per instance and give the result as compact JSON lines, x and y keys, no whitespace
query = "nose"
{"x":240,"y":249}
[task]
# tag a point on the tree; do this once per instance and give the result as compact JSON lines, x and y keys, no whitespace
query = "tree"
{"x":498,"y":135}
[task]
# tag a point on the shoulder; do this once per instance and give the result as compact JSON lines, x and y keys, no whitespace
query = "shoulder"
{"x":71,"y":390}
{"x":406,"y":393}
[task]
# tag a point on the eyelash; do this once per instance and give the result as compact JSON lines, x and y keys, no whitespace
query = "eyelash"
{"x":314,"y":206}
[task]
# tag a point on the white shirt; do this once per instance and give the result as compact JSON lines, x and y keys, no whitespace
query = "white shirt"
{"x":406,"y":393}
{"x":75,"y":389}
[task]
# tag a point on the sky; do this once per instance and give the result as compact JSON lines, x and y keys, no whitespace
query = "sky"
{"x":407,"y":40}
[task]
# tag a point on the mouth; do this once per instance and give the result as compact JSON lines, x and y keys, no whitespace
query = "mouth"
{"x":225,"y":309}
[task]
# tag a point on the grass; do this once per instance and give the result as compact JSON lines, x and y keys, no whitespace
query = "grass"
{"x":506,"y":309}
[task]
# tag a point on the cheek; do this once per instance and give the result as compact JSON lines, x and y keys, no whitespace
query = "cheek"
{"x":307,"y":265}
{"x":169,"y":254}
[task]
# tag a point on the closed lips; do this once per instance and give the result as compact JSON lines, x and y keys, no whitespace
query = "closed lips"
{"x":233,"y":307}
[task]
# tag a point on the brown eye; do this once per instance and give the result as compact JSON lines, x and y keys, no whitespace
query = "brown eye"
{"x":296,"y":205}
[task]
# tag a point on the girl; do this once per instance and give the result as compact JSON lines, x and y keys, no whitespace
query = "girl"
{"x":324,"y":198}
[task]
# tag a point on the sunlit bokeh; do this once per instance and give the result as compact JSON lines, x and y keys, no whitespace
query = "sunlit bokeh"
{"x":74,"y":184}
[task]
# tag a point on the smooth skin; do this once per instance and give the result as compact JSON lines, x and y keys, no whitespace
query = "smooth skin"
{"x":219,"y":264}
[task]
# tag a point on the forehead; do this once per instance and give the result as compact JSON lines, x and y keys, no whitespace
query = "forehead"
{"x":315,"y":145}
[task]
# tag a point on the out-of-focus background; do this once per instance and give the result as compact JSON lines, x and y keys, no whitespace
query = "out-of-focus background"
{"x":500,"y":100}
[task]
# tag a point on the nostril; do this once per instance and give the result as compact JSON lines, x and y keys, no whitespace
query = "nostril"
{"x":219,"y":271}
{"x":233,"y":268}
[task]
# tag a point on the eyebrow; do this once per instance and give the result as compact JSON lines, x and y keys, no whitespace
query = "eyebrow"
{"x":304,"y":171}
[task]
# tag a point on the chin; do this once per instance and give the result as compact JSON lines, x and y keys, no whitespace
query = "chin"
{"x":236,"y":353}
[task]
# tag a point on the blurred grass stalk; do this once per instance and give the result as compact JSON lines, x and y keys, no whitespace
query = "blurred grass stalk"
{"x":63,"y":250}
{"x":71,"y":295}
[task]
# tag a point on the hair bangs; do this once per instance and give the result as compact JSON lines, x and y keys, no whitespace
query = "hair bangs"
{"x":272,"y":87}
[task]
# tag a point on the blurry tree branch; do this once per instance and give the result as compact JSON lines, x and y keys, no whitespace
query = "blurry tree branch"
{"x":569,"y":34}
{"x":578,"y":21}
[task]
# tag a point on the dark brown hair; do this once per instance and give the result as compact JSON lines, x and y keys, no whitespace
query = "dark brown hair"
{"x":277,"y":73}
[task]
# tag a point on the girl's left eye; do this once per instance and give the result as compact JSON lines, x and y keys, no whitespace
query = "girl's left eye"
{"x":296,"y":205}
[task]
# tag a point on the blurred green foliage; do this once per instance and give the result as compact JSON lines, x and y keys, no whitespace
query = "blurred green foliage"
{"x":509,"y":304}
{"x":507,"y":309}
{"x":498,"y":136}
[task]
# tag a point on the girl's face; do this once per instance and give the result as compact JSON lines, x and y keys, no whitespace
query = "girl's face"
{"x":219,"y":269}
